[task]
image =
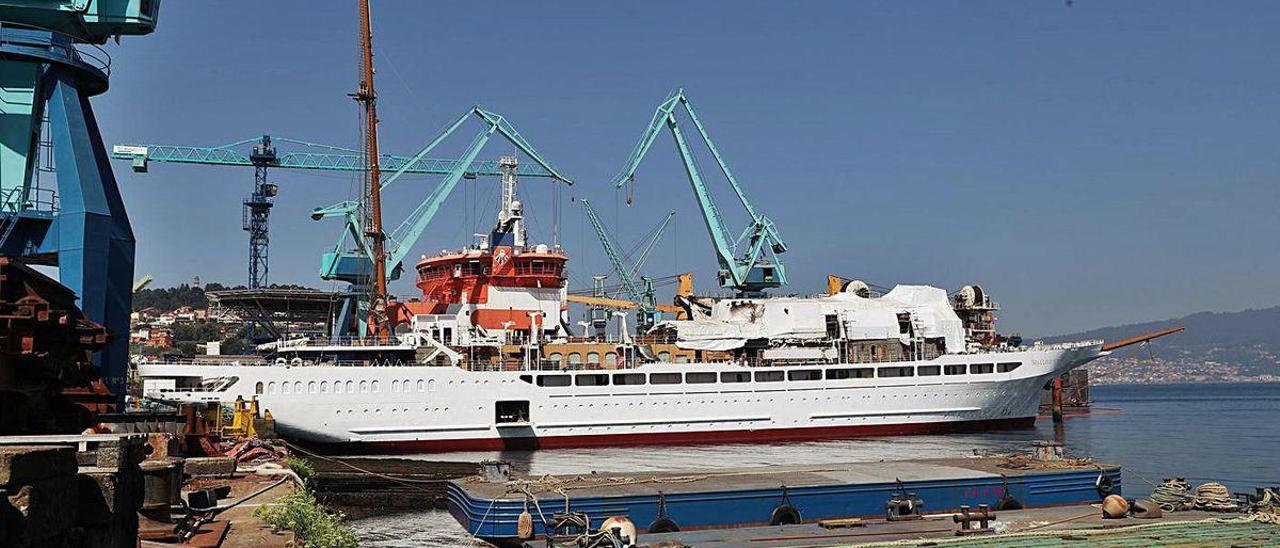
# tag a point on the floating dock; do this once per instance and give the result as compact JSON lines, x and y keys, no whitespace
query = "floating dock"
{"x":776,"y":495}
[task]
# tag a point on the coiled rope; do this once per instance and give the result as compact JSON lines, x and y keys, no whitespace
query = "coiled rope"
{"x":1214,"y":497}
{"x":1173,"y":495}
{"x":1267,"y":509}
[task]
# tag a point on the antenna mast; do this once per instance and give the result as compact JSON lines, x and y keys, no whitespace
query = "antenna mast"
{"x":368,"y":98}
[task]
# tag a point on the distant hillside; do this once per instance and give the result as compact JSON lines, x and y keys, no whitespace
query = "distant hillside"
{"x":1249,"y":338}
{"x":165,"y":299}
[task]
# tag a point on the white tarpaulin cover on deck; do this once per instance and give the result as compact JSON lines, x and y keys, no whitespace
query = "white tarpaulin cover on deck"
{"x":733,"y":321}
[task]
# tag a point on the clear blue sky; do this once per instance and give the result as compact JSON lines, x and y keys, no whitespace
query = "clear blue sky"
{"x":1089,"y":165}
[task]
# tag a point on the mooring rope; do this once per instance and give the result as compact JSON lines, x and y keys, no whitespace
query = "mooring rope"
{"x":1267,"y":509}
{"x":1029,"y":462}
{"x":1172,"y":495}
{"x":483,"y":518}
{"x":402,"y":481}
{"x":1214,"y":497}
{"x":1135,"y":474}
{"x":560,"y":486}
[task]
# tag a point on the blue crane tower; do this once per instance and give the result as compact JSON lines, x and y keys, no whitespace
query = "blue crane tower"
{"x":50,"y":65}
{"x":265,"y":152}
{"x":749,"y":262}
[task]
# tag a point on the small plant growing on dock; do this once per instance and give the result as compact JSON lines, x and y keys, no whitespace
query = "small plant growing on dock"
{"x":301,"y":513}
{"x":301,"y":467}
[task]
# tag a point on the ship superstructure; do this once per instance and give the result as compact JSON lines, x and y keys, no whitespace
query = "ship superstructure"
{"x":500,"y":285}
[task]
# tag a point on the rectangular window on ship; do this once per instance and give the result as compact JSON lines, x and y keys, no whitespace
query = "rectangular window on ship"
{"x":699,"y":378}
{"x":620,"y":379}
{"x":895,"y":372}
{"x":591,"y":380}
{"x":769,"y":376}
{"x":850,"y":373}
{"x":664,"y":378}
{"x":804,"y":375}
{"x":553,"y":380}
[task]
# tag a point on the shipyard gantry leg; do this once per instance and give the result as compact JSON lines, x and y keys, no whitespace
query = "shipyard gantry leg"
{"x":47,"y":76}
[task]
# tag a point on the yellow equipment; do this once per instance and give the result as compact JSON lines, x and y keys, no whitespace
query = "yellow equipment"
{"x":242,"y":419}
{"x":685,"y":287}
{"x":835,"y":284}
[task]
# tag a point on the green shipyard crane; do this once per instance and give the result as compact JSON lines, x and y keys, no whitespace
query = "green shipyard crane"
{"x":641,"y":290}
{"x":261,"y":153}
{"x":351,"y":260}
{"x":749,"y":262}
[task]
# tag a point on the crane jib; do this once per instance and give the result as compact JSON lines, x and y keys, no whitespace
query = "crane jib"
{"x":747,"y":269}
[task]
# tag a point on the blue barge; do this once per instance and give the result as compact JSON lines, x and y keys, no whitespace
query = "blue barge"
{"x":774,"y":495}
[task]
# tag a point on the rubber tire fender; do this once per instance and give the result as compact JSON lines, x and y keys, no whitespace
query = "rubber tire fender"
{"x":663,"y":525}
{"x":784,"y":514}
{"x":1009,"y":503}
{"x":1104,"y":484}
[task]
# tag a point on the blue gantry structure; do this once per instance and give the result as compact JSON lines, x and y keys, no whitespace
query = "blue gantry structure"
{"x":50,"y":66}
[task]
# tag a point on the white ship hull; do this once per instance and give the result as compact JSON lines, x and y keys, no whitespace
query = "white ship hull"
{"x":424,"y":409}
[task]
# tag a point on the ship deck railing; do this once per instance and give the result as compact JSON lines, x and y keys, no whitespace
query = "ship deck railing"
{"x":518,"y":364}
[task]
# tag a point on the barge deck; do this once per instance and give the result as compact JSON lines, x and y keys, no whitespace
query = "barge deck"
{"x":743,"y":497}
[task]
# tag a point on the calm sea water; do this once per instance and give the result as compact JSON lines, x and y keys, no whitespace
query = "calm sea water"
{"x":1229,"y":433}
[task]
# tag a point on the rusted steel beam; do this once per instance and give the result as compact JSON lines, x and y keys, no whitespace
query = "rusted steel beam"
{"x":46,"y":347}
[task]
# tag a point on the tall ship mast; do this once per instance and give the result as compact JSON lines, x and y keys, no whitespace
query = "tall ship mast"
{"x":367,"y":96}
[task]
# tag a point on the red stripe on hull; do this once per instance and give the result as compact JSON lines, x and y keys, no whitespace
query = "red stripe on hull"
{"x":678,"y":438}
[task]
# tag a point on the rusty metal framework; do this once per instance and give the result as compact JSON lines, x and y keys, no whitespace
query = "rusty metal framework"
{"x":46,"y":354}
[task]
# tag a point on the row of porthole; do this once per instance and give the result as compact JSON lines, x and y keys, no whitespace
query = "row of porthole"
{"x":338,"y":387}
{"x":420,"y":386}
{"x":378,"y":410}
